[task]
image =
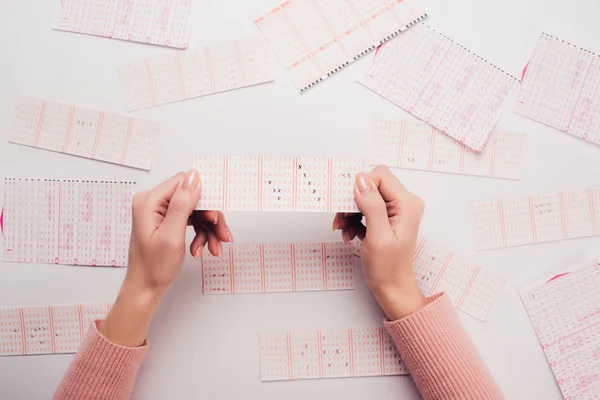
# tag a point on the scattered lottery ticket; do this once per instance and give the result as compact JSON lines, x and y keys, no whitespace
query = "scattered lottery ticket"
{"x":268,"y":268}
{"x":158,"y":22}
{"x":278,"y":183}
{"x":328,"y":354}
{"x":67,"y":221}
{"x":565,"y":313}
{"x":418,"y":145}
{"x":196,"y":72}
{"x":317,"y":38}
{"x":47,"y":329}
{"x":83,"y":132}
{"x":442,"y":83}
{"x":537,"y":219}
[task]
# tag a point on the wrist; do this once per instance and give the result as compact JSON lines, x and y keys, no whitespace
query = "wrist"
{"x":399,"y":301}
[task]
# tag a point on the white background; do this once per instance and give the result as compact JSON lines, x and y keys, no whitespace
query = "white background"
{"x":205,"y":347}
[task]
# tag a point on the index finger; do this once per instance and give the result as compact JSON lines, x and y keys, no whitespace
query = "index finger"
{"x":165,"y":190}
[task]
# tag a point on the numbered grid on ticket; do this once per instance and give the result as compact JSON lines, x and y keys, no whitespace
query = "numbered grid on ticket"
{"x":471,"y":288}
{"x":418,"y":145}
{"x":194,"y":73}
{"x":268,"y":268}
{"x":561,"y":88}
{"x":278,"y":183}
{"x":84,"y":132}
{"x":563,"y":215}
{"x":67,"y":221}
{"x":317,"y":38}
{"x":565,"y":314}
{"x":158,"y":22}
{"x":46,"y":329}
{"x":333,"y":353}
{"x":442,"y":83}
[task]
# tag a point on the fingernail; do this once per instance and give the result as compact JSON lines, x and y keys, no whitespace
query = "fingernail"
{"x":198,"y":252}
{"x":220,"y":249}
{"x":229,"y":235}
{"x":215,"y":218}
{"x":191,"y":180}
{"x":363,"y":182}
{"x":336,"y":223}
{"x":345,"y":237}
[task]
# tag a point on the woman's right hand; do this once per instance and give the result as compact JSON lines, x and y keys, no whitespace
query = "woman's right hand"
{"x":393,"y":215}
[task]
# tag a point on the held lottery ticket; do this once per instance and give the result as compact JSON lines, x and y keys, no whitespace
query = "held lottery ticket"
{"x":561,"y":88}
{"x":159,"y":22}
{"x":537,"y":219}
{"x":317,"y":38}
{"x":442,"y":83}
{"x":278,"y":183}
{"x":47,"y":329}
{"x":84,"y":132}
{"x":565,"y":313}
{"x":332,"y":353}
{"x":267,"y":268}
{"x":195,"y":73}
{"x":418,"y":145}
{"x":67,"y":221}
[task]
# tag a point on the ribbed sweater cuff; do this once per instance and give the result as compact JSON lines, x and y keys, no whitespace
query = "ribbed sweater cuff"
{"x":440,"y":356}
{"x":101,"y":370}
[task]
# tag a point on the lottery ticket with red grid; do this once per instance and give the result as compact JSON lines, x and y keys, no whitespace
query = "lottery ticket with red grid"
{"x":418,"y":145}
{"x":317,"y":38}
{"x":158,"y":22}
{"x":561,"y":88}
{"x":83,"y":132}
{"x":565,"y":313}
{"x":66,"y":221}
{"x":46,"y":329}
{"x":278,"y":183}
{"x":195,"y":73}
{"x":535,"y":219}
{"x":267,"y":268}
{"x":442,"y":83}
{"x":471,"y":288}
{"x":334,"y":353}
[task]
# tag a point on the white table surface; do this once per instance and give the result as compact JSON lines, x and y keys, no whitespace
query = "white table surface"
{"x":205,"y":347}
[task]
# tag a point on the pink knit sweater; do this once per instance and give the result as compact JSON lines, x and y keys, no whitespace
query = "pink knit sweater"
{"x":438,"y":353}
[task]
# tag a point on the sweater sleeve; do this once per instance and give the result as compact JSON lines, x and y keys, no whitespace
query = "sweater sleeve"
{"x":101,"y":370}
{"x":440,"y":356}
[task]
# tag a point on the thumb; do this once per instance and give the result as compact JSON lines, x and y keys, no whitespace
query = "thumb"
{"x":182,"y":205}
{"x":372,"y":205}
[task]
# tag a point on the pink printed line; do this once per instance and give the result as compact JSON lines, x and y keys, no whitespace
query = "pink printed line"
{"x":562,"y":214}
{"x":335,"y":38}
{"x":466,"y":292}
{"x":97,"y":140}
{"x":293,"y":262}
{"x":493,"y":153}
{"x":580,"y":92}
{"x":387,"y":7}
{"x":260,"y":178}
{"x":320,"y":342}
{"x":502,"y":229}
{"x":430,"y":79}
{"x":381,"y":351}
{"x":289,"y":352}
{"x":180,"y":75}
{"x":294,"y":184}
{"x":360,"y":19}
{"x":2,"y":220}
{"x":555,"y":277}
{"x":69,"y":128}
{"x":302,"y":42}
{"x":203,"y":273}
{"x":238,"y":54}
{"x":40,"y":124}
{"x":262,"y":269}
{"x":351,"y":352}
{"x":81,"y":322}
{"x":330,"y":189}
{"x":126,"y":147}
{"x":431,"y":148}
{"x":23,"y":334}
{"x":150,"y":82}
{"x":231,"y":271}
{"x":572,"y":334}
{"x":444,"y":267}
{"x":225,"y":183}
{"x":419,"y":247}
{"x":58,"y":234}
{"x":401,"y":150}
{"x":532,"y":217}
{"x":592,"y":211}
{"x":210,"y":70}
{"x":324,"y":265}
{"x":52,"y":339}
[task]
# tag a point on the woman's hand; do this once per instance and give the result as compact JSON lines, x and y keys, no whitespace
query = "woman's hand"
{"x":157,"y":250}
{"x":393,"y":216}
